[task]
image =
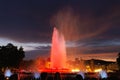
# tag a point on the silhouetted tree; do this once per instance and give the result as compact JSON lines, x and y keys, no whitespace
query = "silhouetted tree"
{"x":10,"y":56}
{"x":118,"y":61}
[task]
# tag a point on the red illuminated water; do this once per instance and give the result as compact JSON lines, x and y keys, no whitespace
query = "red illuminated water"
{"x":58,"y":51}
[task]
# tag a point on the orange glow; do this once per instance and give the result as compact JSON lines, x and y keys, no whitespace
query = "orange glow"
{"x":53,"y":70}
{"x":97,"y":70}
{"x":103,"y":56}
{"x":75,"y":70}
{"x":88,"y":69}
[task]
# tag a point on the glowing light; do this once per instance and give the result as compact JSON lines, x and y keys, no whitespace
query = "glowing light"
{"x":37,"y":75}
{"x":103,"y":74}
{"x":97,"y":70}
{"x":88,"y":69}
{"x":7,"y":78}
{"x":8,"y":73}
{"x":82,"y":74}
{"x":58,"y":50}
{"x":75,"y":70}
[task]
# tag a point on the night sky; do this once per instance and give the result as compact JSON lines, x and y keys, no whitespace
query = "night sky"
{"x":91,"y":27}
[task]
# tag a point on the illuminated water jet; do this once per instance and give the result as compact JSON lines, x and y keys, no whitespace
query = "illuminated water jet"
{"x":103,"y":74}
{"x":37,"y":75}
{"x":7,"y":73}
{"x":58,"y":50}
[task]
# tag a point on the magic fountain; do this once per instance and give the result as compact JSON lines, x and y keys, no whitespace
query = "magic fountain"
{"x":58,"y":53}
{"x":58,"y":50}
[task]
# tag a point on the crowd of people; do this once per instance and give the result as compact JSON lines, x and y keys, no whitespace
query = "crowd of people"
{"x":58,"y":76}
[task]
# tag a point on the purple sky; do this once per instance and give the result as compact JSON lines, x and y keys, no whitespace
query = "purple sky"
{"x":91,"y":28}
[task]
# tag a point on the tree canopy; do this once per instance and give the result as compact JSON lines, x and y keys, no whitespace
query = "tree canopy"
{"x":118,"y":61}
{"x":11,"y":56}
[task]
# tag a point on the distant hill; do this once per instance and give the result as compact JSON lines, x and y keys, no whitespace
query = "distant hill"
{"x":97,"y":61}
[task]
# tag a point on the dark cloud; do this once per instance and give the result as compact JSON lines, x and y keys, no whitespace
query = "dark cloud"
{"x":94,"y":47}
{"x":29,"y":21}
{"x":87,"y":23}
{"x":36,"y":53}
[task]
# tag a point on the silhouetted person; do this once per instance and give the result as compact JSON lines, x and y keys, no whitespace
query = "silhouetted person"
{"x":79,"y":77}
{"x":2,"y":77}
{"x":57,"y":76}
{"x":69,"y":78}
{"x":13,"y":77}
{"x":50,"y":78}
{"x":104,"y":79}
{"x":93,"y":79}
{"x":113,"y":78}
{"x":82,"y":74}
{"x":44,"y":76}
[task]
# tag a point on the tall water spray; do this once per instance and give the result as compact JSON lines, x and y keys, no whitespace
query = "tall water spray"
{"x":58,"y":50}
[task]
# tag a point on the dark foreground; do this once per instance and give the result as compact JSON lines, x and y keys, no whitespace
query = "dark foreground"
{"x":59,"y":76}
